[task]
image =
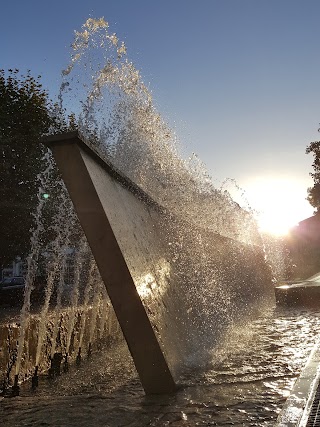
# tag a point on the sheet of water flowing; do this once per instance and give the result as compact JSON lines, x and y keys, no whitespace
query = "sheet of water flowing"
{"x":246,"y":384}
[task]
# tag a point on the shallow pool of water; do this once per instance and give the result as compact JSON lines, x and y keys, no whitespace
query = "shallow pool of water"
{"x":246,"y":384}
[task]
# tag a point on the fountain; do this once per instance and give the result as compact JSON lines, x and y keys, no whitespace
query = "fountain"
{"x":180,"y":261}
{"x":126,"y":231}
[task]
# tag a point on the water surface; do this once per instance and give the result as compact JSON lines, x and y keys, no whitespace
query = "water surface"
{"x":246,"y":384}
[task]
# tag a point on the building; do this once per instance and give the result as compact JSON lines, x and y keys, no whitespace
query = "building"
{"x":303,"y":243}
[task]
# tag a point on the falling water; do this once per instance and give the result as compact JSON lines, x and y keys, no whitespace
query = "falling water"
{"x":74,"y":296}
{"x":120,"y":118}
{"x":32,"y":263}
{"x":56,"y":323}
{"x":87,"y":294}
{"x":95,"y":308}
{"x":58,"y":316}
{"x":61,"y":225}
{"x":214,"y":245}
{"x":216,"y":254}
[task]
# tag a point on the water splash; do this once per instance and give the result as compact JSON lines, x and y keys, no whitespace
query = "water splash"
{"x":58,"y":315}
{"x":62,"y":225}
{"x":119,"y":115}
{"x":214,"y":244}
{"x":74,"y":295}
{"x":32,"y":260}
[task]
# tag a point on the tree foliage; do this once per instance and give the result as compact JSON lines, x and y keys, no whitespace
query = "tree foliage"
{"x":314,"y":192}
{"x":26,"y":114}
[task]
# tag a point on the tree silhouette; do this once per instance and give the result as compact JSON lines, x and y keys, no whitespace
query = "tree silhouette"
{"x":26,"y":114}
{"x":314,"y":192}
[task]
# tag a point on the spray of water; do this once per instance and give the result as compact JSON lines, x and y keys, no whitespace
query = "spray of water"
{"x":32,"y":261}
{"x":214,"y":245}
{"x":61,"y":227}
{"x":74,"y":295}
{"x":87,"y":295}
{"x":98,"y":296}
{"x":119,"y":115}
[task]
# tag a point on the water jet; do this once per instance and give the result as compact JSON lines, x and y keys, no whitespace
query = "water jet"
{"x":35,"y":379}
{"x":78,"y":359}
{"x":89,"y":354}
{"x":193,"y":265}
{"x":15,"y":391}
{"x":151,"y":276}
{"x":66,"y":364}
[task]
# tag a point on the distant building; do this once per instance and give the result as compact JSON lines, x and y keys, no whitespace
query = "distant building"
{"x":304,"y":247}
{"x":17,"y":268}
{"x":308,"y":230}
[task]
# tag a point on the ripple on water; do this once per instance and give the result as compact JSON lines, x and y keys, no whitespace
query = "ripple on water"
{"x":246,"y":384}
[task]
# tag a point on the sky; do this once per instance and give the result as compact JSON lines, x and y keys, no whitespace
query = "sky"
{"x":237,"y":79}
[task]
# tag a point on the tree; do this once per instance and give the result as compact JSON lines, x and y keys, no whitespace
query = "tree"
{"x":25,"y":116}
{"x":314,"y":192}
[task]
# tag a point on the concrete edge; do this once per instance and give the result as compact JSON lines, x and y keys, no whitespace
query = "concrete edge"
{"x":296,"y":410}
{"x":75,"y":137}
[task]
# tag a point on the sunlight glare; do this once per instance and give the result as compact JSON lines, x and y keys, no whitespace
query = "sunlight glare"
{"x":280,"y":203}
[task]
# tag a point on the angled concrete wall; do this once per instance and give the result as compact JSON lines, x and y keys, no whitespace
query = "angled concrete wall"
{"x":175,"y":288}
{"x":109,"y":215}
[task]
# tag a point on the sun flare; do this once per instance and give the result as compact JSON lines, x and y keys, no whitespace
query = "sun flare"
{"x":275,"y":222}
{"x":280,"y":203}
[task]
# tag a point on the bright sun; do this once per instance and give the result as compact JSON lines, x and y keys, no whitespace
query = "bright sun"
{"x":280,"y":203}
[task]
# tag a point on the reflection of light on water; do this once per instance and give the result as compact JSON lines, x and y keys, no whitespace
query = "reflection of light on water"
{"x":248,"y":386}
{"x":146,"y":285}
{"x":273,"y":386}
{"x":149,"y":282}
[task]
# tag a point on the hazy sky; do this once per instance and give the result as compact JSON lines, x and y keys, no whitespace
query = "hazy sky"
{"x":238,"y":78}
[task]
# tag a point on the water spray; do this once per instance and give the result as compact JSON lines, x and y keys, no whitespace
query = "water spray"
{"x":78,"y":359}
{"x":4,"y":387}
{"x":51,"y":370}
{"x":66,"y":364}
{"x":89,"y":351}
{"x":15,"y":388}
{"x":32,"y":263}
{"x":55,"y":368}
{"x":35,"y":379}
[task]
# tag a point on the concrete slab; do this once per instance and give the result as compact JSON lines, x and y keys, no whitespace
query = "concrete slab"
{"x":110,"y":207}
{"x":175,"y":285}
